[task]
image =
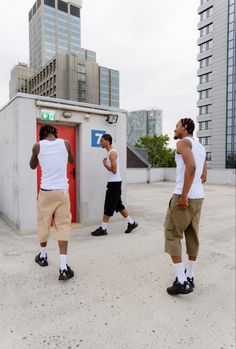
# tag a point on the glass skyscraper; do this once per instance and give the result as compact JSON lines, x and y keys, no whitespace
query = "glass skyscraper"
{"x":54,"y":27}
{"x":109,"y":87}
{"x":143,"y":123}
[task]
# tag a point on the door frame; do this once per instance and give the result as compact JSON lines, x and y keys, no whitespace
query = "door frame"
{"x":77,"y":127}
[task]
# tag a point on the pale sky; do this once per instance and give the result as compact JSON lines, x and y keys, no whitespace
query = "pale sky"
{"x":152,"y":43}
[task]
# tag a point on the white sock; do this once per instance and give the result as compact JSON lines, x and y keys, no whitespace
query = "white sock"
{"x":180,"y":272}
{"x":63,"y":265}
{"x":130,"y":220}
{"x":190,"y":269}
{"x":104,"y":225}
{"x":43,"y":252}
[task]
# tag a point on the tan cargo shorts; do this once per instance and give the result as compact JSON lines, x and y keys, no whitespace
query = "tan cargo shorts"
{"x":54,"y":206}
{"x":181,"y":222}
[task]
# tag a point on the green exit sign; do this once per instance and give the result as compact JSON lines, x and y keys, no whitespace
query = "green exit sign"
{"x":48,"y":115}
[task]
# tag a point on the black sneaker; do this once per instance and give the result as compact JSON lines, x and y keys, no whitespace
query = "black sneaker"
{"x":131,"y":227}
{"x":190,"y":280}
{"x":178,"y":288}
{"x":99,"y":232}
{"x":42,"y":261}
{"x":66,"y":274}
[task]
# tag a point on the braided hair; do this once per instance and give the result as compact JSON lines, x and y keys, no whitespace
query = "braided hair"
{"x":189,"y":123}
{"x":46,"y":130}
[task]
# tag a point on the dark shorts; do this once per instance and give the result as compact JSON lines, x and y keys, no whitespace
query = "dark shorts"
{"x":113,"y":200}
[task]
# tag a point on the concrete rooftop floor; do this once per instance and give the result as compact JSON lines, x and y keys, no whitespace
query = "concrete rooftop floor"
{"x":118,"y":298}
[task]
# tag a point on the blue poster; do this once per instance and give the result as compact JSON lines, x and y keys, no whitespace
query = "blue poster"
{"x":96,"y":137}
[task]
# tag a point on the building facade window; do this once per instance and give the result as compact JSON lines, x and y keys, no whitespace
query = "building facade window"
{"x":62,"y":6}
{"x":205,"y":93}
{"x":49,"y":33}
{"x":206,"y":46}
{"x":205,"y":140}
{"x":206,"y":14}
{"x":90,"y":56}
{"x":206,"y":109}
{"x":203,"y":79}
{"x":205,"y":125}
{"x":208,"y":156}
{"x":206,"y":62}
{"x":114,"y":88}
{"x":81,"y":82}
{"x":206,"y":30}
{"x":74,"y":11}
{"x":104,"y":86}
{"x":50,"y":3}
{"x":75,"y":34}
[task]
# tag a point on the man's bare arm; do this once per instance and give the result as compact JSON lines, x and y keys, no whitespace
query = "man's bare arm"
{"x":204,"y":173}
{"x":112,"y":158}
{"x":34,"y":158}
{"x":70,"y":153}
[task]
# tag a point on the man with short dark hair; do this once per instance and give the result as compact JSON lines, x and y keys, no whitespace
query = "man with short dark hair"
{"x":113,"y":200}
{"x":53,"y":199}
{"x":184,"y":210}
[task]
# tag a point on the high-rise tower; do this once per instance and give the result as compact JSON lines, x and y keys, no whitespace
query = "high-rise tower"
{"x":54,"y":27}
{"x":217,"y":56}
{"x":59,"y":67}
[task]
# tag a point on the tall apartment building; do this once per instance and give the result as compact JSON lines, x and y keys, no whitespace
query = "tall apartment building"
{"x":143,"y":123}
{"x":59,"y":66}
{"x":216,"y":103}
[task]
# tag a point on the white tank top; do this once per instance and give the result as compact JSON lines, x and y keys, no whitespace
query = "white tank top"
{"x":53,"y":158}
{"x":199,"y":154}
{"x":111,"y":177}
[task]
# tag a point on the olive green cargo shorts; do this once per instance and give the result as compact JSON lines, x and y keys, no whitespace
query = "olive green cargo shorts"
{"x":181,"y":222}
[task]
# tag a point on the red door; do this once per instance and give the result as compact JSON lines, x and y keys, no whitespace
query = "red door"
{"x":69,"y":133}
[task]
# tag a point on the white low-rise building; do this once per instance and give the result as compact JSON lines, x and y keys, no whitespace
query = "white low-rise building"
{"x":83,"y":125}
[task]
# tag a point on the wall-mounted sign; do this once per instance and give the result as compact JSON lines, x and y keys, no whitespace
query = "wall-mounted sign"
{"x":47,"y":115}
{"x":96,"y":137}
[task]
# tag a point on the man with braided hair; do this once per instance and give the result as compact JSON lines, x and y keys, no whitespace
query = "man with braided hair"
{"x":52,"y":154}
{"x":184,"y":209}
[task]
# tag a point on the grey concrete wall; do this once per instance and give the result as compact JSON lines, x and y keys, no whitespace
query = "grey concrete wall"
{"x":145,"y":175}
{"x":18,"y":183}
{"x":137,"y":175}
{"x":214,"y":176}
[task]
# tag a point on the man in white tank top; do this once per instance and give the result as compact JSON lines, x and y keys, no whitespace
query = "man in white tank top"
{"x":184,"y":209}
{"x":113,"y":200}
{"x":53,"y":202}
